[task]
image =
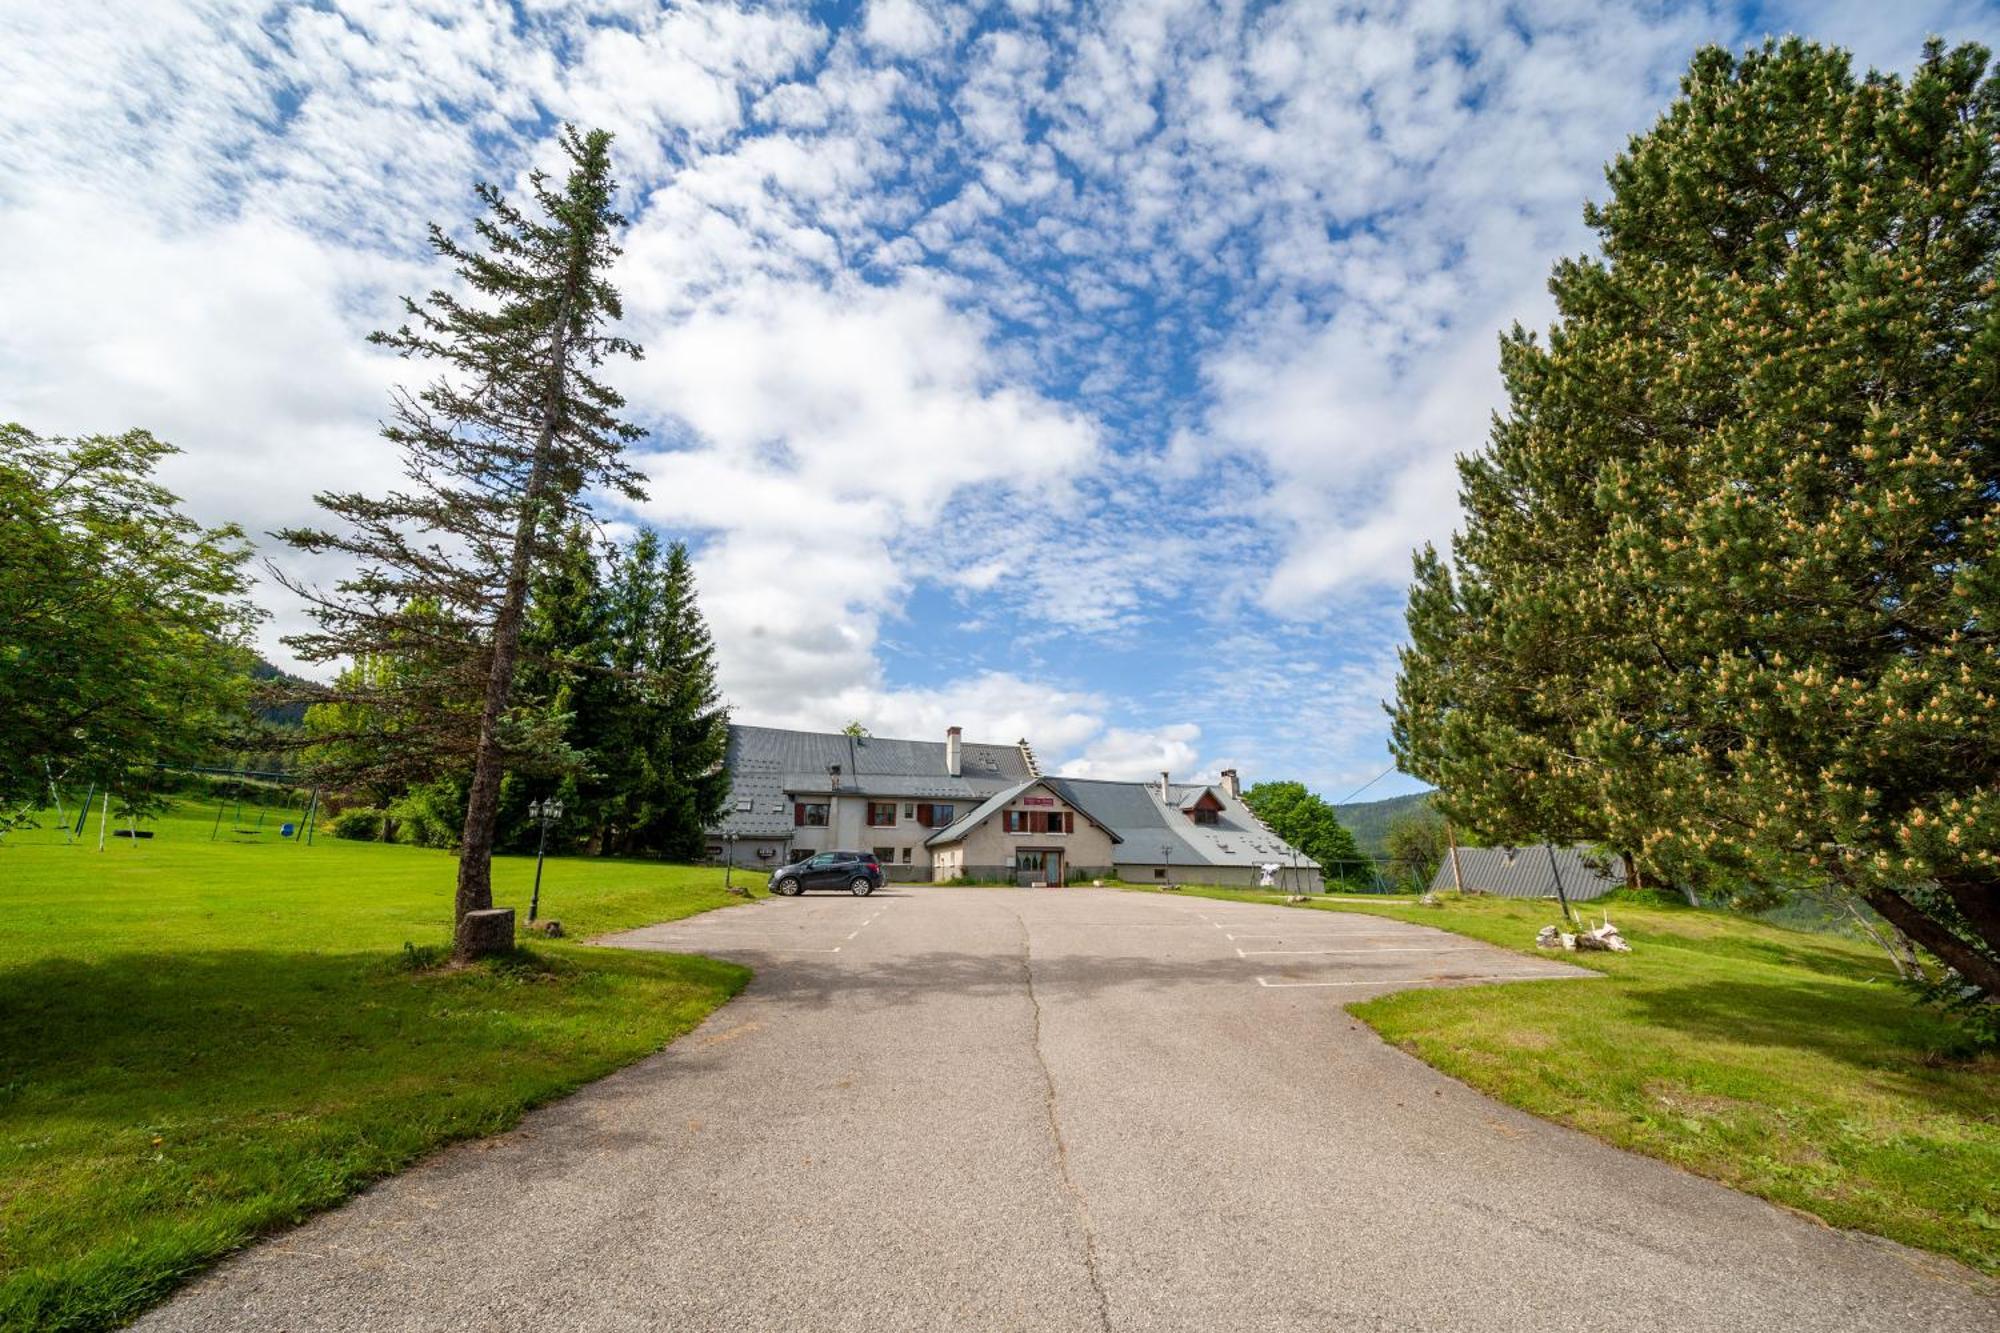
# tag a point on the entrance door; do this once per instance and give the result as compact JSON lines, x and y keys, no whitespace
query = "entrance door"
{"x":1032,"y":866}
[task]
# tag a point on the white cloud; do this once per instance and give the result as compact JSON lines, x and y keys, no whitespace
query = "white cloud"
{"x":1138,"y":755}
{"x":1159,"y":320}
{"x":831,"y":432}
{"x":901,"y":27}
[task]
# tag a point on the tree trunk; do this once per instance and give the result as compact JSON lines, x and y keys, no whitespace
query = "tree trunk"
{"x":1974,"y":966}
{"x":482,"y":807}
{"x":1978,"y":901}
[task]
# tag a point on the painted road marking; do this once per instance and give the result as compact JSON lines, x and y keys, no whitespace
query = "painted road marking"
{"x":1385,"y":948}
{"x":1269,"y":984}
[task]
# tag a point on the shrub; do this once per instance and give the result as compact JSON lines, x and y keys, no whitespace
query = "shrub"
{"x":431,"y":815}
{"x":361,"y":824}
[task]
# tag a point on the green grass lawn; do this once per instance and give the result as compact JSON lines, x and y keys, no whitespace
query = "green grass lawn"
{"x":204,"y":1040}
{"x":1783,"y":1063}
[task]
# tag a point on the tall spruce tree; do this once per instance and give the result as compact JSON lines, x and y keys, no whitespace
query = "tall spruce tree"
{"x":661,"y":752}
{"x":566,"y":681}
{"x":499,"y":452}
{"x":696,"y":784}
{"x":1726,"y":591}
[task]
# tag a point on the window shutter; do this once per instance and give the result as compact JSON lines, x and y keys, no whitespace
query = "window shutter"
{"x":798,"y":814}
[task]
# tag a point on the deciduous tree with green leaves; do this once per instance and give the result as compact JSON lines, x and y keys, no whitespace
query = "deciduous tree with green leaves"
{"x":1307,"y":822}
{"x":1726,"y":593}
{"x":501,"y":452}
{"x":1417,"y":843}
{"x":124,"y":625}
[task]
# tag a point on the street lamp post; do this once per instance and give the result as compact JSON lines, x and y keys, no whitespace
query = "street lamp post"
{"x":541,"y":812}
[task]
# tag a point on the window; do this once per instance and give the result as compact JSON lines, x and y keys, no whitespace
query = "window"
{"x":909,"y":811}
{"x":1017,"y":821}
{"x":1159,"y":872}
{"x":906,"y":856}
{"x":936,"y":816}
{"x":1041,"y":821}
{"x":743,"y":806}
{"x":809,"y":814}
{"x":881,"y":814}
{"x":1202,"y":816}
{"x":886,"y":855}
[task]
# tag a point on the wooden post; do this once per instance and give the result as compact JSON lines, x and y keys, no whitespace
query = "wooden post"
{"x":103,"y":818}
{"x":1561,"y":897}
{"x":1457,"y":875}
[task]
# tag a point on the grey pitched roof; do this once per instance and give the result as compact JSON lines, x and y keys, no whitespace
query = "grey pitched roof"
{"x":986,"y":809}
{"x":1523,"y":872}
{"x":979,"y":814}
{"x":1154,"y":832}
{"x":767,"y":763}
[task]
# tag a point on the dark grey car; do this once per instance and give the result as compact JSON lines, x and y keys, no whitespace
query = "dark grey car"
{"x":857,"y":872}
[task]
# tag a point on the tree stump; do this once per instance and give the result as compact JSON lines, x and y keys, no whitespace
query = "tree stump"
{"x":483,"y":933}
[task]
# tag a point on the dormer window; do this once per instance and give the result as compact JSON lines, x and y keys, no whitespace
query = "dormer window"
{"x":1204,"y":808}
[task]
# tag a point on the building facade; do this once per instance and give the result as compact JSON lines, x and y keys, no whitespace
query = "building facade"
{"x":954,"y":809}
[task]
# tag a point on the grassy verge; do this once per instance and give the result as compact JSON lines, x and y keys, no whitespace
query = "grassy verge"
{"x":1786,"y":1064}
{"x":205,"y":1041}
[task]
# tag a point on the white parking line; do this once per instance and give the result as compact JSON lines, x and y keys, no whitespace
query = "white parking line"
{"x":1386,"y":948}
{"x":749,"y":942}
{"x":1269,"y":984}
{"x":1314,"y":935}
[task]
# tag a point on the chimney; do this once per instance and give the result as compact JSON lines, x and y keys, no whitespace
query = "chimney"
{"x":1231,"y":785}
{"x":954,"y":763}
{"x":1163,"y":788}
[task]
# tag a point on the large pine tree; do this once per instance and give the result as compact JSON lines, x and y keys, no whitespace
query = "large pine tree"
{"x":661,"y":751}
{"x":1726,"y":592}
{"x":499,"y":453}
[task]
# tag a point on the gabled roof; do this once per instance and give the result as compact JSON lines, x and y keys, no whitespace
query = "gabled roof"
{"x":767,"y":763}
{"x":1156,"y":831}
{"x":995,"y":803}
{"x":1523,"y":872}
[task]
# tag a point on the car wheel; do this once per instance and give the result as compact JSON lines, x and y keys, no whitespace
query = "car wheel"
{"x":788,"y":888}
{"x":862,"y":886}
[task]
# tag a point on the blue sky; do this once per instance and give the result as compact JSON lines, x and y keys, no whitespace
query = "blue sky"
{"x":1078,"y":372}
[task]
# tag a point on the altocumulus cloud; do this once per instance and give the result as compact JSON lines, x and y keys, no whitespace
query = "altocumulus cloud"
{"x":1078,"y":372}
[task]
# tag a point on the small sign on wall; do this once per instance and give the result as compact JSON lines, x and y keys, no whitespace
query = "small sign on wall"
{"x":1038,"y":800}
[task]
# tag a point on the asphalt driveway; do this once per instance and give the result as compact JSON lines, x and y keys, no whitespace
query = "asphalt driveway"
{"x":1061,"y":1109}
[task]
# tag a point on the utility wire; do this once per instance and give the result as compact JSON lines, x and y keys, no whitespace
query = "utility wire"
{"x":1366,"y":785}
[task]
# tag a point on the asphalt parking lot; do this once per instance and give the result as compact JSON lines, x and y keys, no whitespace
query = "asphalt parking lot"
{"x":1061,"y":1109}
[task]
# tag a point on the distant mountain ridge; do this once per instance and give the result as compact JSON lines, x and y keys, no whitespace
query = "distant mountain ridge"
{"x":1369,"y":821}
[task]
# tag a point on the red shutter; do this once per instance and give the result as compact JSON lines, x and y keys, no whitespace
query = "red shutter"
{"x":1069,"y":822}
{"x":798,"y":814}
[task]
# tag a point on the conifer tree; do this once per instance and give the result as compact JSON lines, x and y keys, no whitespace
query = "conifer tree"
{"x":696,"y":785}
{"x":498,"y":452}
{"x":1726,"y":591}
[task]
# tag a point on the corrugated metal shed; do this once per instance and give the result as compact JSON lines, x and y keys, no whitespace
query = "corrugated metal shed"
{"x":1523,"y":872}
